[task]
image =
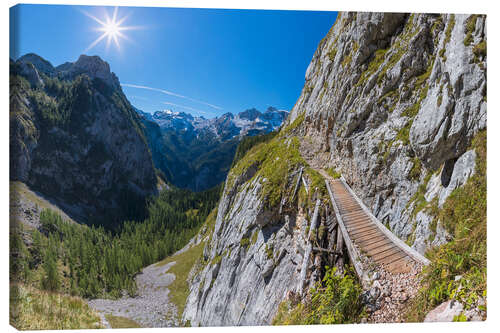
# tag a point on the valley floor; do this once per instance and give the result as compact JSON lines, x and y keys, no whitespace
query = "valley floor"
{"x":151,"y":307}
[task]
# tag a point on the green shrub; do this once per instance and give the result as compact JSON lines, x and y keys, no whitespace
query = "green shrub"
{"x":336,"y":300}
{"x":245,"y":242}
{"x":416,"y":169}
{"x":479,"y":50}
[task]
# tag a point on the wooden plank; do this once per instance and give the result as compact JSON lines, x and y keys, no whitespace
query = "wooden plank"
{"x":373,"y":240}
{"x":382,"y":242}
{"x":387,"y":258}
{"x":362,"y":228}
{"x":402,"y":265}
{"x":381,"y":249}
{"x":358,"y":221}
{"x":351,"y":214}
{"x":359,"y":226}
{"x":365,"y":234}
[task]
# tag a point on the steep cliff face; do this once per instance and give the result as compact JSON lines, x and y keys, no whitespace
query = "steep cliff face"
{"x":76,"y":139}
{"x":254,"y":255}
{"x":392,"y":102}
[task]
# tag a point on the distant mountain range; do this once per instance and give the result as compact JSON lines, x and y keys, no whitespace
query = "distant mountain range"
{"x":228,"y":126}
{"x":196,"y":152}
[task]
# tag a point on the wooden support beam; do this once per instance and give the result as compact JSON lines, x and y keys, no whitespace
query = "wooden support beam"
{"x":297,"y":184}
{"x":320,"y":249}
{"x":305,"y":185}
{"x":303,"y":270}
{"x":340,"y":250}
{"x":314,"y":220}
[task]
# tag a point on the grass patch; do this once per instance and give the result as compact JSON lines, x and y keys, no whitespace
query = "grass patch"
{"x":332,"y":52}
{"x":463,"y":215}
{"x":33,"y":309}
{"x":210,"y":223}
{"x":404,"y":134}
{"x":470,"y":26}
{"x":376,"y":62}
{"x":296,"y":123}
{"x":332,"y":172}
{"x":179,"y":289}
{"x":449,"y":29}
{"x":245,"y":242}
{"x":121,"y":322}
{"x":308,"y":89}
{"x":275,"y":161}
{"x":416,"y":169}
{"x":255,"y":235}
{"x":479,"y":50}
{"x":269,"y":251}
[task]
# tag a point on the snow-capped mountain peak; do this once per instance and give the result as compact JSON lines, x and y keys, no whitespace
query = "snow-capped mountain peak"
{"x":225,"y":127}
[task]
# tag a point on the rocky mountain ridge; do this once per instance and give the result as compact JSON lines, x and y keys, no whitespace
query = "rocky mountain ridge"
{"x":225,"y":127}
{"x":75,"y":138}
{"x":196,"y":152}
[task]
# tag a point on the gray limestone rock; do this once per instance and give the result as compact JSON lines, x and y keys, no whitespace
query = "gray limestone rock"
{"x":389,"y":100}
{"x":392,"y":102}
{"x":445,"y":312}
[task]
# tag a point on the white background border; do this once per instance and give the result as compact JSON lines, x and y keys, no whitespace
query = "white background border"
{"x":429,"y":6}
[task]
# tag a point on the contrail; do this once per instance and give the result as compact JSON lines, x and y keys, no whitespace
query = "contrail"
{"x":171,"y":94}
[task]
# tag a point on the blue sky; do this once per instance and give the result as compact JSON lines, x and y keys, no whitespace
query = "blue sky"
{"x":202,"y":61}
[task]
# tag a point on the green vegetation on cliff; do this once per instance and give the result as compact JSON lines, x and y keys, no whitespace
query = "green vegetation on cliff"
{"x":458,"y":268}
{"x":248,"y":143}
{"x":274,"y":161}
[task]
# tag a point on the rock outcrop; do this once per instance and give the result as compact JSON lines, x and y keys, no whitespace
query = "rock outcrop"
{"x":392,"y":102}
{"x":252,"y":261}
{"x":76,"y":139}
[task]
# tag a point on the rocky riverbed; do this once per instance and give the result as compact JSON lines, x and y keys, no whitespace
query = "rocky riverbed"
{"x":151,"y":307}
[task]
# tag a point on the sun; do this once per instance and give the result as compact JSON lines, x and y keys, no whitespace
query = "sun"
{"x":111,"y":28}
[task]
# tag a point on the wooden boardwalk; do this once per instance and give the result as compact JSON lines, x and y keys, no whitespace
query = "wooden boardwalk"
{"x":365,"y":235}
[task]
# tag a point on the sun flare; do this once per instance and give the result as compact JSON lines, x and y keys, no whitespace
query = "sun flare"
{"x":111,"y":28}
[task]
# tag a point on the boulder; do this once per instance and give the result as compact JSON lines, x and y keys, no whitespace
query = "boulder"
{"x":445,"y":312}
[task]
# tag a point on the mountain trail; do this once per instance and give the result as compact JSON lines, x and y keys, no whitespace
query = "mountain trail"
{"x":387,"y":294}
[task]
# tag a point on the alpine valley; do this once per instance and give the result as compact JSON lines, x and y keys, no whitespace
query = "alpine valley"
{"x":196,"y":153}
{"x":366,"y":203}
